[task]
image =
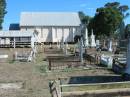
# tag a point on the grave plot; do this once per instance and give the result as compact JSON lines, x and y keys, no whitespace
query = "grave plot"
{"x":9,"y":86}
{"x":24,"y":57}
{"x":119,"y":63}
{"x":8,"y":89}
{"x":17,"y":54}
{"x":71,"y":61}
{"x":58,"y":60}
{"x":89,"y":86}
{"x":53,"y":51}
{"x":62,"y":62}
{"x":5,"y":55}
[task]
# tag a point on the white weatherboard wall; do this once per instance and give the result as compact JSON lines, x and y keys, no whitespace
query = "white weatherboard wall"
{"x":54,"y":34}
{"x":51,"y":26}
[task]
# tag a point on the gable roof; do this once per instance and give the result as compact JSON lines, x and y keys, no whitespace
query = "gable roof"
{"x":49,"y":19}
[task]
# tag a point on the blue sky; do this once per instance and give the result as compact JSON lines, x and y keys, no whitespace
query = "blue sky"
{"x":15,"y":7}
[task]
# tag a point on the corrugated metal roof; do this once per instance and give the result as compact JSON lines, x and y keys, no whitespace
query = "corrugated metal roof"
{"x":15,"y":34}
{"x":49,"y":19}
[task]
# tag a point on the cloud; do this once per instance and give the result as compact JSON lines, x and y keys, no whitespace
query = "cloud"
{"x":83,"y":5}
{"x":90,"y":8}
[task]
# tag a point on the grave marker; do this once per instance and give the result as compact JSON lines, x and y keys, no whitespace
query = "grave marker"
{"x":81,"y":51}
{"x":93,"y":44}
{"x":110,"y":46}
{"x":86,"y":38}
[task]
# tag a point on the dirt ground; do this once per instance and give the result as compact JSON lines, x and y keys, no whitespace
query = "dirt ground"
{"x":33,"y":75}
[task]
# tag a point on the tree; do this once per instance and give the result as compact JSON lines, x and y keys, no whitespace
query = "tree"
{"x":123,"y":10}
{"x":84,"y":18}
{"x":108,"y":19}
{"x":127,"y":30}
{"x":2,"y":11}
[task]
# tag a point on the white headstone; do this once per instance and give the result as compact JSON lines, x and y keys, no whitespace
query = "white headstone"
{"x":110,"y":46}
{"x":81,"y":51}
{"x":128,"y":58}
{"x":107,"y":60}
{"x":93,"y":44}
{"x":3,"y":56}
{"x":14,"y":42}
{"x":62,"y":43}
{"x":65,"y":48}
{"x":58,"y":43}
{"x":86,"y":38}
{"x":97,"y":43}
{"x":50,"y":45}
{"x":16,"y":54}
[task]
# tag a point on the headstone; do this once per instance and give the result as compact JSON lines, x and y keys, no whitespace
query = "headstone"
{"x":127,"y":70}
{"x":34,"y":51}
{"x":97,"y":43}
{"x":32,"y":42}
{"x":16,"y":54}
{"x":62,"y":43}
{"x":65,"y":48}
{"x":14,"y":42}
{"x":58,"y":43}
{"x":107,"y":60}
{"x":3,"y":56}
{"x":86,"y":38}
{"x":110,"y":46}
{"x":50,"y":45}
{"x":30,"y":56}
{"x":93,"y":44}
{"x":81,"y":51}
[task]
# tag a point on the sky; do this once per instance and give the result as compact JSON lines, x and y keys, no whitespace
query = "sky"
{"x":15,"y":7}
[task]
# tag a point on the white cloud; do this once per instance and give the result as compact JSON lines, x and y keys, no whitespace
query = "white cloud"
{"x":90,"y":8}
{"x":83,"y":5}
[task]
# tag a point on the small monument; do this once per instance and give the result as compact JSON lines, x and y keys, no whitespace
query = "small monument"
{"x":93,"y":44}
{"x":127,"y":70}
{"x":86,"y":38}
